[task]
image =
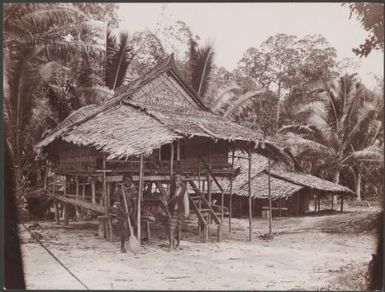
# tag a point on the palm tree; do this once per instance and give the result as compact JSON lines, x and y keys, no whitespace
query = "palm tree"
{"x":201,"y":62}
{"x":34,"y":34}
{"x":339,"y":129}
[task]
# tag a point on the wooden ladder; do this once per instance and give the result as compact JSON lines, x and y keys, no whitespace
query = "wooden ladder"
{"x":202,"y":207}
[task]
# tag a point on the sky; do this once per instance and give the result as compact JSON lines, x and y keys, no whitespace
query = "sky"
{"x":235,"y":27}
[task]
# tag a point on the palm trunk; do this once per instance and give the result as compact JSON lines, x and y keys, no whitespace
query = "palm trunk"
{"x":358,"y":184}
{"x":336,"y":180}
{"x":278,"y":104}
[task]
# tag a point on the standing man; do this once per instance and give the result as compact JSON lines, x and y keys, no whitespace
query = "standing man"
{"x":130,"y":192}
{"x":179,"y":208}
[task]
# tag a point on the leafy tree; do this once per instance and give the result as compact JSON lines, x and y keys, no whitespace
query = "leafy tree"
{"x":289,"y":66}
{"x":339,"y":129}
{"x":371,"y":16}
{"x":34,"y":34}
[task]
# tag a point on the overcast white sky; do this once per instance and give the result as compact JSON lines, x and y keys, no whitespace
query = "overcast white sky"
{"x":234,"y":27}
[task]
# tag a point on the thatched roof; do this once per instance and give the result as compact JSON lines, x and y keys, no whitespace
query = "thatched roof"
{"x":192,"y":122}
{"x":108,"y":130}
{"x":258,"y":164}
{"x":260,"y":188}
{"x":311,"y":181}
{"x":283,"y":183}
{"x":122,"y":127}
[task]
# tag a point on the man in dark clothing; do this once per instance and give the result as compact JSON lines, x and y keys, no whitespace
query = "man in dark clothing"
{"x":130,"y":193}
{"x":179,"y":209}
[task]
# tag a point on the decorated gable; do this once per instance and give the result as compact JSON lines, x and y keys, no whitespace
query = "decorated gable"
{"x":164,"y":90}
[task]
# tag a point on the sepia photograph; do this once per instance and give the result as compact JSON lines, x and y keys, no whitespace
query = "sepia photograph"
{"x":193,"y":146}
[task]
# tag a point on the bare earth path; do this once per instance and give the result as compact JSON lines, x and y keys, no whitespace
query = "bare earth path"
{"x":301,"y":256}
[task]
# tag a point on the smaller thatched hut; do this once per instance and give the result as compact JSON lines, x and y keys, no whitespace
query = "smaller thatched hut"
{"x":290,"y":191}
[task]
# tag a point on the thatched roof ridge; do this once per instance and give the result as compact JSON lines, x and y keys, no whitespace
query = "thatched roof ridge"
{"x":311,"y":181}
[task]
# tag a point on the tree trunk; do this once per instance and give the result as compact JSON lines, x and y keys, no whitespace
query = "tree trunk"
{"x":358,"y":185}
{"x":336,"y":180}
{"x":278,"y":104}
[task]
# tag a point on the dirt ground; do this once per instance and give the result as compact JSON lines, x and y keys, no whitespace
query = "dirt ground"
{"x":306,"y":253}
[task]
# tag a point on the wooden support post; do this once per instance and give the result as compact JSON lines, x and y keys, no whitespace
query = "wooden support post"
{"x":209,"y":182}
{"x":140,"y":196}
{"x":57,"y":213}
{"x":332,"y":201}
{"x":65,"y":186}
{"x":77,"y":187}
{"x":66,"y":214}
{"x":101,"y":227}
{"x":148,"y":231}
{"x":231,"y":192}
{"x":83,"y":192}
{"x":269,"y":186}
{"x":171,"y":162}
{"x":105,"y":186}
{"x":279,"y":206}
{"x":342,"y":203}
{"x":219,"y":234}
{"x":319,"y":201}
{"x":206,"y":232}
{"x":93,"y":192}
{"x":297,"y":205}
{"x":222,"y":215}
{"x":177,"y":150}
{"x":208,"y":197}
{"x":249,"y":190}
{"x":315,"y":201}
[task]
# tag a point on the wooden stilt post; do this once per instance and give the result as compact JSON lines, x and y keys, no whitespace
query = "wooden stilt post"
{"x":171,"y":162}
{"x":140,"y":196}
{"x":269,"y":186}
{"x":57,"y":213}
{"x":249,"y":189}
{"x":209,"y":197}
{"x":65,"y":205}
{"x":200,"y":202}
{"x":315,"y":201}
{"x":93,"y":192}
{"x":332,"y":201}
{"x":342,"y":203}
{"x":65,"y":214}
{"x":77,"y":187}
{"x":319,"y":201}
{"x":279,"y":206}
{"x":231,"y":192}
{"x":56,"y":202}
{"x":297,"y":205}
{"x":209,"y":185}
{"x":83,"y":192}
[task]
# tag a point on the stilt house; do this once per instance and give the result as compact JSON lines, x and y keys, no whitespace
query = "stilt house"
{"x":153,"y":127}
